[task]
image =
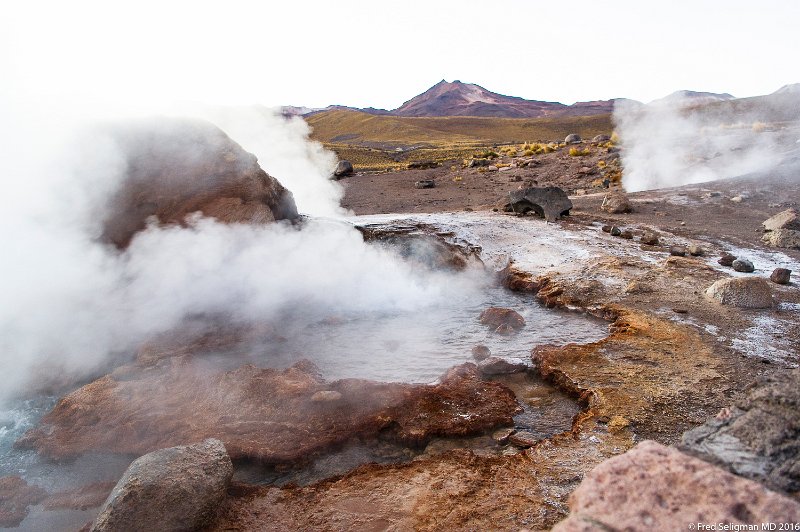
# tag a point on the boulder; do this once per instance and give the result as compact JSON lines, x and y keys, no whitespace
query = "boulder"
{"x":727,"y":259}
{"x":782,"y":238}
{"x":175,"y":167}
{"x":757,"y":436}
{"x":695,"y":250}
{"x":743,"y":265}
{"x":653,"y":487}
{"x":742,"y":292}
{"x":649,"y":239}
{"x":601,"y":138}
{"x":343,"y":169}
{"x":170,"y":489}
{"x":478,"y":162}
{"x":481,"y":352}
{"x":523,"y":438}
{"x":787,"y":219}
{"x":781,"y":276}
{"x":572,"y":138}
{"x":498,"y":366}
{"x":615,"y":231}
{"x":616,"y":204}
{"x":496,"y":317}
{"x":548,"y":202}
{"x":16,"y":496}
{"x":627,"y":235}
{"x":425,"y":183}
{"x":677,"y":251}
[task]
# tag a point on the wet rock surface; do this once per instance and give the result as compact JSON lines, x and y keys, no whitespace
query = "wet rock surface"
{"x":758,"y":436}
{"x":499,"y":366}
{"x":501,"y":318}
{"x":264,"y":415}
{"x":16,"y":495}
{"x":550,"y":203}
{"x":172,"y":489}
{"x":176,"y":167}
{"x":659,"y":488}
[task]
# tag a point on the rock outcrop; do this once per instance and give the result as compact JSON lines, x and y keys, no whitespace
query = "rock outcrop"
{"x":758,"y":436}
{"x":616,"y":204}
{"x":16,"y":496}
{"x":266,"y":415}
{"x":548,"y":202}
{"x":783,"y":229}
{"x":175,"y":167}
{"x":572,"y":138}
{"x":343,"y":169}
{"x":171,"y":489}
{"x":742,"y":292}
{"x":655,"y":487}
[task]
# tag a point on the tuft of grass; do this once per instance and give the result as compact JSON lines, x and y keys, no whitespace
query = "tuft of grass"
{"x":577,"y":152}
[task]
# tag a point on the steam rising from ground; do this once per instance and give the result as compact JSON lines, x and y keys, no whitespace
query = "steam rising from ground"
{"x":69,"y":303}
{"x":676,"y":142}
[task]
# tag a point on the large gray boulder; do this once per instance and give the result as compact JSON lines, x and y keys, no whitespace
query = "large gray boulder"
{"x":169,"y":490}
{"x":742,"y":292}
{"x":572,"y":138}
{"x":548,"y":202}
{"x":343,"y":169}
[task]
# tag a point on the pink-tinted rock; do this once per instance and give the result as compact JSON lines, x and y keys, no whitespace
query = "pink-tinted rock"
{"x":15,"y":497}
{"x":653,"y":487}
{"x":502,"y":319}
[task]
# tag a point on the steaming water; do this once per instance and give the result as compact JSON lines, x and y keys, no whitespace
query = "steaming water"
{"x":420,"y":346}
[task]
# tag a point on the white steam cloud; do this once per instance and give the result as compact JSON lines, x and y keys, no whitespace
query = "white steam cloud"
{"x":70,"y":302}
{"x":679,"y":141}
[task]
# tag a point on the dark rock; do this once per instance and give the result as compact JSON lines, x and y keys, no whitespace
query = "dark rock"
{"x":481,"y":352}
{"x":171,"y":489}
{"x":781,"y":276}
{"x":16,"y":496}
{"x":425,"y":183}
{"x":423,"y":165}
{"x":498,"y":366}
{"x":523,"y":438}
{"x":615,"y":231}
{"x":677,"y":251}
{"x":627,"y":235}
{"x":757,"y":437}
{"x":343,"y":169}
{"x":572,"y":138}
{"x":616,"y":203}
{"x":727,"y":259}
{"x":649,"y":239}
{"x":742,"y":292}
{"x":606,"y":228}
{"x":743,"y":265}
{"x":548,"y":202}
{"x":497,"y":316}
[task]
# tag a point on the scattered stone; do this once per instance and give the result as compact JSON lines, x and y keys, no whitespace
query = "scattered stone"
{"x":782,"y":238}
{"x":523,"y":439}
{"x":501,"y":435}
{"x":616,"y":203}
{"x":475,"y":163}
{"x":601,"y":138}
{"x":498,"y":366}
{"x":627,"y":235}
{"x":649,"y":239}
{"x":177,"y":488}
{"x":713,"y":194}
{"x":425,"y":183}
{"x":423,"y":165}
{"x":781,"y":276}
{"x":655,"y":487}
{"x":481,"y":352}
{"x":548,"y":202}
{"x":727,"y":259}
{"x":615,"y":231}
{"x":606,"y":228}
{"x":743,"y":265}
{"x":742,"y":292}
{"x":326,"y":396}
{"x":572,"y":138}
{"x":757,"y":437}
{"x":677,"y":251}
{"x":737,"y":199}
{"x":492,"y":168}
{"x":343,"y":169}
{"x":467,"y":209}
{"x":16,"y":496}
{"x":680,"y":311}
{"x":695,"y":250}
{"x":787,"y":219}
{"x":497,"y":316}
{"x":580,"y":192}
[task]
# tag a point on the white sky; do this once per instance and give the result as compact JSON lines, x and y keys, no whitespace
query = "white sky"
{"x":380,"y":54}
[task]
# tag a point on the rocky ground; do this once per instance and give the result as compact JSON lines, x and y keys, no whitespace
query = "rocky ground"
{"x":709,"y":386}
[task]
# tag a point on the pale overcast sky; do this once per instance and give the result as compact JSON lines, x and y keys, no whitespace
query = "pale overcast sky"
{"x":380,"y":54}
